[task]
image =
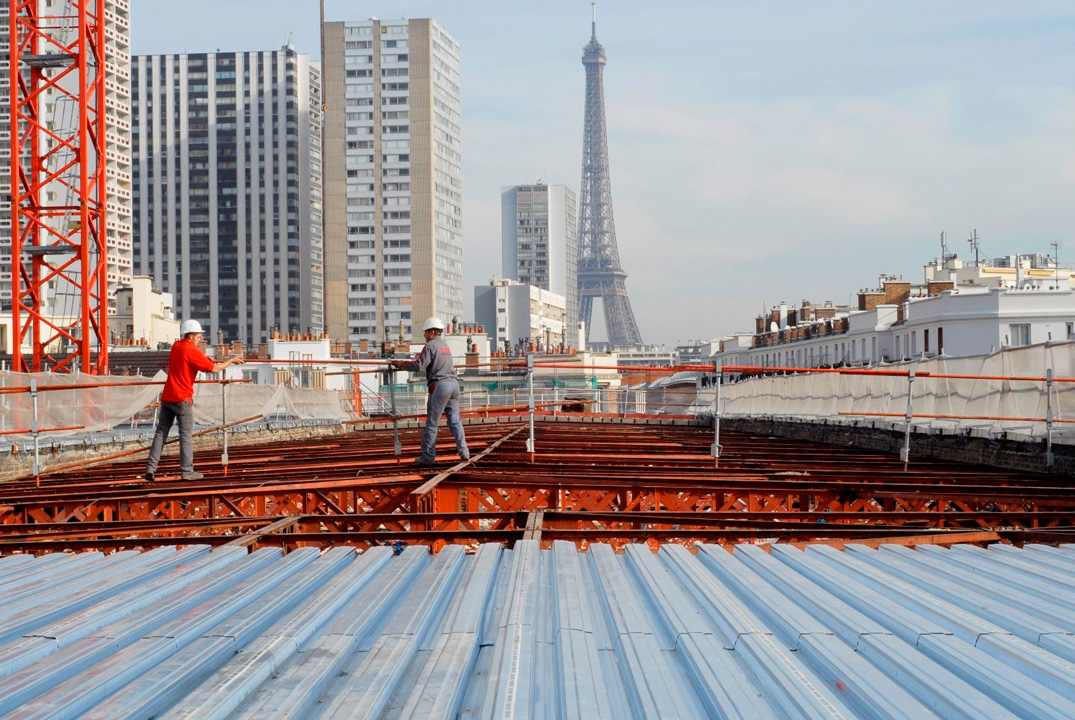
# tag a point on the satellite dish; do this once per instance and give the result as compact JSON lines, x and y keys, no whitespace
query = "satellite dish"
{"x":773,"y":327}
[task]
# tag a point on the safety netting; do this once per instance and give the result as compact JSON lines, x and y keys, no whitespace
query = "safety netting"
{"x":1002,"y":392}
{"x":78,"y":403}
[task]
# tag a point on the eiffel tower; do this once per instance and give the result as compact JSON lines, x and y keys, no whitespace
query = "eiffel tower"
{"x":599,"y":271}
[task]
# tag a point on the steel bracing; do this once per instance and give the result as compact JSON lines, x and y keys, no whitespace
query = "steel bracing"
{"x":599,"y":273}
{"x":58,"y":189}
{"x":593,"y":480}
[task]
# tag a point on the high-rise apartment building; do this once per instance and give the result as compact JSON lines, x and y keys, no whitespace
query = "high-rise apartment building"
{"x":227,"y":188}
{"x":61,"y":111}
{"x":539,"y":231}
{"x":393,"y":181}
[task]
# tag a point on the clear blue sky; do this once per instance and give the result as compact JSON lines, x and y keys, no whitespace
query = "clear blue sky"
{"x":760,"y":151}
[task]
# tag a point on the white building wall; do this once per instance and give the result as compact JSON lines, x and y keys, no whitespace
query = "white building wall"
{"x":971,"y":321}
{"x":513,"y":312}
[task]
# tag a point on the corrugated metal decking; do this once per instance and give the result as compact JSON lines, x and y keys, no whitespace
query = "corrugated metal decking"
{"x":893,"y":633}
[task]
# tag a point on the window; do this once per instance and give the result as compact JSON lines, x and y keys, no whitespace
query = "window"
{"x":1019,"y":334}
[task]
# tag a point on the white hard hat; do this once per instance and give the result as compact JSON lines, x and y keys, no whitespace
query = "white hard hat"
{"x":190,"y":326}
{"x":433,"y":323}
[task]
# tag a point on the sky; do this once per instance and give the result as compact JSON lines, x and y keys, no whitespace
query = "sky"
{"x":759,"y":151}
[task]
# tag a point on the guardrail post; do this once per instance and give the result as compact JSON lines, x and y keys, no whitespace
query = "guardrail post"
{"x":530,"y":382}
{"x":1050,"y":459}
{"x":390,"y":376}
{"x":715,"y":450}
{"x":224,"y":424}
{"x":34,"y":427}
{"x":905,"y":452}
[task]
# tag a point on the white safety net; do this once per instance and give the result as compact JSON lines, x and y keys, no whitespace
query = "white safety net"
{"x":61,"y":403}
{"x":987,"y":398}
{"x":115,"y":402}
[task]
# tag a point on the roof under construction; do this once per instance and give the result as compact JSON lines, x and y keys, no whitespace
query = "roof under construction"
{"x":599,"y":480}
{"x":526,"y":632}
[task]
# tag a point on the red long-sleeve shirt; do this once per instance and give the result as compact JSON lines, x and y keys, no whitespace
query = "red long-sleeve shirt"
{"x":185,"y":361}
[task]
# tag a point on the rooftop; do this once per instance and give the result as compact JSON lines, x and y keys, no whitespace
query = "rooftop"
{"x":530,"y":632}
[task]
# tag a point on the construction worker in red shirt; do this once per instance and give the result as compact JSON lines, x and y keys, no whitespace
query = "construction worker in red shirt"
{"x":185,"y":361}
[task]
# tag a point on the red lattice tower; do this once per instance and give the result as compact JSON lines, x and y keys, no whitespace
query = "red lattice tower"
{"x":61,"y":239}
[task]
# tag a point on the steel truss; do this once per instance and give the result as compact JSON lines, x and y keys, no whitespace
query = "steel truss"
{"x":591,"y":482}
{"x":58,"y":189}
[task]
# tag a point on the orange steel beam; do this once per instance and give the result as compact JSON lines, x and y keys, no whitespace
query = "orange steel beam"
{"x":752,"y":370}
{"x":931,"y":416}
{"x":429,"y":485}
{"x":116,"y":456}
{"x":16,"y":389}
{"x":604,"y":482}
{"x":42,"y":430}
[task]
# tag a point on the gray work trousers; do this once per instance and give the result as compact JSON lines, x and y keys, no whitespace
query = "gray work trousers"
{"x":170,"y":412}
{"x":443,"y":398}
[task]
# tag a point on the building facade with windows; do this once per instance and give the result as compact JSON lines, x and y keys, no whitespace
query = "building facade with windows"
{"x":955,"y":322}
{"x":516,"y":314}
{"x":393,"y":177}
{"x":227,"y":188}
{"x":539,"y":234}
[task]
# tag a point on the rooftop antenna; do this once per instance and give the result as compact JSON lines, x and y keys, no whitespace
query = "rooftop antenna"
{"x":593,"y":22}
{"x":973,"y":240}
{"x":944,"y":247}
{"x":1055,"y":244}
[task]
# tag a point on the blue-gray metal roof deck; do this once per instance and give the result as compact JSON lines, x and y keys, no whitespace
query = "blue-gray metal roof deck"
{"x":893,"y":633}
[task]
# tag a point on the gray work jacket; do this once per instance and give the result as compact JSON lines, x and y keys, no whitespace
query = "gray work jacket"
{"x":435,"y":361}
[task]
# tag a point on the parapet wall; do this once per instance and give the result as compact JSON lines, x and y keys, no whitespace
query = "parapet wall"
{"x":958,"y":446}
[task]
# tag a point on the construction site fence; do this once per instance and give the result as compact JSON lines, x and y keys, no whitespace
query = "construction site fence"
{"x":78,"y":404}
{"x":624,"y":400}
{"x":68,"y":404}
{"x":1005,"y":392}
{"x":1001,"y":392}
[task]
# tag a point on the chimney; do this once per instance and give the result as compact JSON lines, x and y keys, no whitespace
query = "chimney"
{"x":936,"y":287}
{"x":896,"y":292}
{"x":870,"y":299}
{"x":759,"y":325}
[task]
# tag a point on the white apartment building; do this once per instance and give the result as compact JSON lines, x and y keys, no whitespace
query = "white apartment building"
{"x":227,"y":188}
{"x":539,"y":234}
{"x":143,"y":315}
{"x":62,"y":113}
{"x":393,"y":177}
{"x":1011,"y":271}
{"x":516,"y":314}
{"x":967,"y":320}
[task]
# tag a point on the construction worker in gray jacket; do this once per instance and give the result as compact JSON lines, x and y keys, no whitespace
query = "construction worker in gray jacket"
{"x":436,"y":362}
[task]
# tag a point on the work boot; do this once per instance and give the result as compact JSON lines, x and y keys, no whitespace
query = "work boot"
{"x":148,"y":476}
{"x":421,"y":462}
{"x":464,"y":456}
{"x":192,"y":475}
